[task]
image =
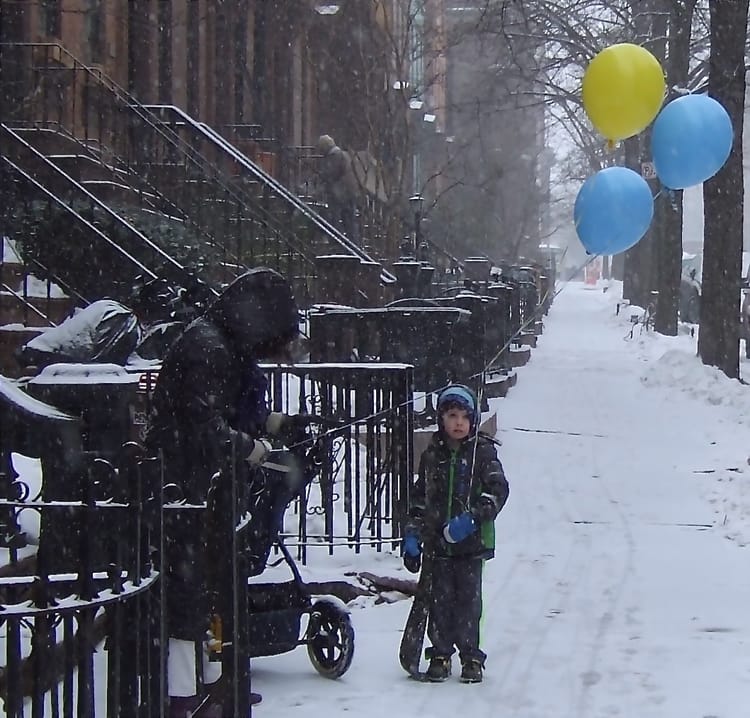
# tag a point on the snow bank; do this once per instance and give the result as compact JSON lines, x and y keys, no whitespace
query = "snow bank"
{"x":676,"y":369}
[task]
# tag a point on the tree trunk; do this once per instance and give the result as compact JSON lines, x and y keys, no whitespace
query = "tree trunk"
{"x":718,"y":339}
{"x":640,"y":266}
{"x":668,"y":209}
{"x":638,"y":274}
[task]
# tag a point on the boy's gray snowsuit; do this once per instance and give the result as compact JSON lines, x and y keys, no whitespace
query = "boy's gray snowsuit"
{"x":451,"y":482}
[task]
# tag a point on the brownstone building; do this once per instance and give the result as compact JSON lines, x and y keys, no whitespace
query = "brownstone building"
{"x":244,"y":67}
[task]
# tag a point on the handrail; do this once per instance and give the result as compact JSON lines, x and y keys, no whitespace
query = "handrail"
{"x":210,"y":134}
{"x":188,"y":151}
{"x":175,"y":265}
{"x":69,"y":291}
{"x":80,"y":218}
{"x":178,"y":211}
{"x":27,"y":304}
{"x":442,"y":250}
{"x":169,"y":136}
{"x":121,"y":94}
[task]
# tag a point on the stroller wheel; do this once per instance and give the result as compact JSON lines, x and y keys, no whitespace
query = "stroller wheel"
{"x":330,"y":639}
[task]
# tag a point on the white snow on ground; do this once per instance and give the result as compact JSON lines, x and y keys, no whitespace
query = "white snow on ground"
{"x":621,"y":585}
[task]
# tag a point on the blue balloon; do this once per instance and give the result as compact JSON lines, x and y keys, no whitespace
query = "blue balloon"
{"x":613,"y":210}
{"x":691,"y":140}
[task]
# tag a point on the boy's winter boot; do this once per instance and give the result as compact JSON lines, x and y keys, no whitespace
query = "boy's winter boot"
{"x":471,"y":671}
{"x":439,"y":669}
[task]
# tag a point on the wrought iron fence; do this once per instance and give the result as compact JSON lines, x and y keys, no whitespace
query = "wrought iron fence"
{"x":81,"y":617}
{"x":443,"y":343}
{"x":359,"y":496}
{"x":84,"y":617}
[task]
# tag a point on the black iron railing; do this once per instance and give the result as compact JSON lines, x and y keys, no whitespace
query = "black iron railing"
{"x":51,"y":208}
{"x":237,"y":221}
{"x":200,"y":135}
{"x":358,"y":498}
{"x":82,"y":617}
{"x":361,"y":493}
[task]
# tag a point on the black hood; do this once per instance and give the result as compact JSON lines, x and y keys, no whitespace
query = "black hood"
{"x":258,"y":312}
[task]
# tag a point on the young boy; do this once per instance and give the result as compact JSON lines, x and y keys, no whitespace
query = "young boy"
{"x":460,"y":490}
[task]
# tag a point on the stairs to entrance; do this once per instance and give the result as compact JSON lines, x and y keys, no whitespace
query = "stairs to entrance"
{"x":28,"y":305}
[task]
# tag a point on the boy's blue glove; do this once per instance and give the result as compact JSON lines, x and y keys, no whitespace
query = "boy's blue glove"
{"x":412,"y":552}
{"x":410,"y":546}
{"x":459,"y":527}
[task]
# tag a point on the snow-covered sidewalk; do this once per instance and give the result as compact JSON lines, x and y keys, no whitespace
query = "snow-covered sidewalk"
{"x":621,"y":585}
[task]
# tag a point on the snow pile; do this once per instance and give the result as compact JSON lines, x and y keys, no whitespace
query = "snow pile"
{"x":34,"y":287}
{"x":671,"y":368}
{"x":84,"y":374}
{"x":684,"y":372}
{"x":9,"y":253}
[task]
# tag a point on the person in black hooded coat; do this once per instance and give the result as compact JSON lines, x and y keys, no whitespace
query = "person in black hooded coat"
{"x":210,"y":397}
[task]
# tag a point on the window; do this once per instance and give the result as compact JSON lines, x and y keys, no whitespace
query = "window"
{"x":193,"y":58}
{"x":50,"y":19}
{"x":165,"y":52}
{"x":95,"y":30}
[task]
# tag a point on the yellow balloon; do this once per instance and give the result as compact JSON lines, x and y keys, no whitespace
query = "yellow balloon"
{"x":623,"y":90}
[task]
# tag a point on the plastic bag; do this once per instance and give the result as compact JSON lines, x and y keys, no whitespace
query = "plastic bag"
{"x":104,"y":332}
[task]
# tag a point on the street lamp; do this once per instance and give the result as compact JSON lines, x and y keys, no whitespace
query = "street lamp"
{"x":416,"y":202}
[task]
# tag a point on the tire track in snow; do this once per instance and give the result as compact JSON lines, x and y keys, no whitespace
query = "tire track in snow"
{"x":555,"y":601}
{"x":614,"y":591}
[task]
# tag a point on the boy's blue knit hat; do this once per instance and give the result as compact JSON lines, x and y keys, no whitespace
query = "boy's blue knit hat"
{"x":462,"y":396}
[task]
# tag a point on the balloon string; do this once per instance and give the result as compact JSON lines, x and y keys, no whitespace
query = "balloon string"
{"x":478,"y":375}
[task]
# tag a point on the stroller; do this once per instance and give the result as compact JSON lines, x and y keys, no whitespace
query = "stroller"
{"x":275,"y":610}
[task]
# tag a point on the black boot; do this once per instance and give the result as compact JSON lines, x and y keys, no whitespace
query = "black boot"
{"x":471,"y":671}
{"x":439,"y":669}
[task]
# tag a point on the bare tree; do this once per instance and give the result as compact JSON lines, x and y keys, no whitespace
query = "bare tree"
{"x":668,"y":207}
{"x":639,"y":271}
{"x":718,"y":341}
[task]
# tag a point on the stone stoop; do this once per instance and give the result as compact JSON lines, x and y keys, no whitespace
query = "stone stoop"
{"x":13,"y":311}
{"x":13,"y":337}
{"x":519,"y":355}
{"x":498,"y":384}
{"x":18,"y":323}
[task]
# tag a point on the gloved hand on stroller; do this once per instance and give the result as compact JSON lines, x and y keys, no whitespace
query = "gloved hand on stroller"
{"x":294,"y":429}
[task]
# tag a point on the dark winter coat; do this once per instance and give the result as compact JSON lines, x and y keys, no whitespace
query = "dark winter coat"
{"x":210,"y":392}
{"x":337,"y":172}
{"x":210,"y":396}
{"x":451,"y":482}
